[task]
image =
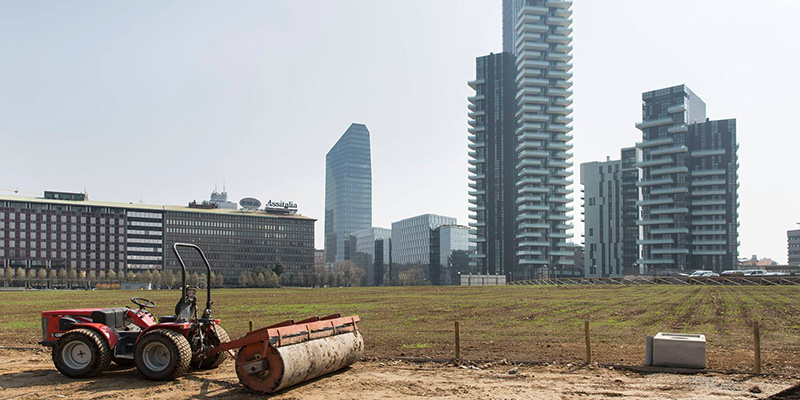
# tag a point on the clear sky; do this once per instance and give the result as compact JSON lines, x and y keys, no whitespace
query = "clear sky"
{"x":157,"y":101}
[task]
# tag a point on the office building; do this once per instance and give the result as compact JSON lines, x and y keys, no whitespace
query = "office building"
{"x":71,"y":232}
{"x":451,"y":251}
{"x":538,"y":35}
{"x":370,"y":255}
{"x":411,"y":238}
{"x":793,"y":245}
{"x":602,"y":186}
{"x":493,"y":174}
{"x":348,"y":191}
{"x":688,"y":185}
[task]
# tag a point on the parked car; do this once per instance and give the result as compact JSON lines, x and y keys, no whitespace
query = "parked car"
{"x":756,"y":272}
{"x":703,"y":272}
{"x":732,"y":272}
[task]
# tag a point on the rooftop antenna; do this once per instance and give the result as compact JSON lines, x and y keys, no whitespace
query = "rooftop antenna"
{"x":215,"y":186}
{"x":223,"y":186}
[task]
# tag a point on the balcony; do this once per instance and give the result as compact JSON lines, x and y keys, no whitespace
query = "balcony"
{"x":708,"y":232}
{"x":678,"y":129}
{"x":532,"y":171}
{"x":558,"y":128}
{"x":708,"y":192}
{"x":532,"y":117}
{"x":721,"y":242}
{"x":476,"y":98}
{"x":562,"y":155}
{"x":708,"y":222}
{"x":477,"y":128}
{"x":523,"y":81}
{"x":563,"y":66}
{"x":476,"y":161}
{"x":530,"y":44}
{"x":559,"y":92}
{"x":559,"y":146}
{"x":716,"y":202}
{"x":706,"y":153}
{"x":653,"y":143}
{"x":526,"y":73}
{"x":475,"y":193}
{"x":708,"y":182}
{"x":532,"y":10}
{"x":476,"y":114}
{"x":562,"y":137}
{"x":559,"y":164}
{"x":655,"y":161}
{"x":660,"y":221}
{"x":655,"y":261}
{"x":668,"y":251}
{"x":654,"y":123}
{"x":673,"y":210}
{"x":558,"y":21}
{"x":559,"y":110}
{"x":655,"y":241}
{"x":527,"y":90}
{"x":559,"y":182}
{"x":558,"y":57}
{"x":560,"y":39}
{"x":558,"y":4}
{"x":676,"y":109}
{"x":668,"y":231}
{"x":668,"y":150}
{"x":654,"y":202}
{"x":708,"y":212}
{"x":670,"y":170}
{"x":708,"y":172}
{"x":476,"y":145}
{"x":709,"y":252}
{"x":563,"y":48}
{"x":534,"y":154}
{"x":478,"y":208}
{"x":533,"y":207}
{"x":654,"y":182}
{"x":474,"y":83}
{"x":532,"y":100}
{"x":669,"y":190}
{"x":559,"y":199}
{"x":523,"y":62}
{"x":527,"y":136}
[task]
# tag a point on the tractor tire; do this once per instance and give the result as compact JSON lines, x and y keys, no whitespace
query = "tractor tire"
{"x":217,"y":359}
{"x":124,"y":362}
{"x":82,"y":353}
{"x":163,"y":355}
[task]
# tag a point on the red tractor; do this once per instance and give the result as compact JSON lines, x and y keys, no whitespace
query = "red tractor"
{"x":86,"y":341}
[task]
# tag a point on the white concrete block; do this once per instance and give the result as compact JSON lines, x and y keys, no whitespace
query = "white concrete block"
{"x":679,"y":350}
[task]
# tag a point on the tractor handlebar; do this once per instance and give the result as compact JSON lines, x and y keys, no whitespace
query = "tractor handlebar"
{"x":183,"y":272}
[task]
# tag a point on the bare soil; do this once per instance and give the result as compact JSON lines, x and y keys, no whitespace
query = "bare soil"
{"x":30,"y":375}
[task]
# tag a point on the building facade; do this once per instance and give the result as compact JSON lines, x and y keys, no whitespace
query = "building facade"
{"x":452,"y":249}
{"x":492,"y":161}
{"x":602,"y":197}
{"x":793,"y":246}
{"x":91,"y":236}
{"x":538,"y":35}
{"x":365,"y":253}
{"x":688,"y":185}
{"x":411,"y":238}
{"x":348,"y":191}
{"x":630,"y":211}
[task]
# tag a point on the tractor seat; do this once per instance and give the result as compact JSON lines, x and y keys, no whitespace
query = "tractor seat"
{"x":167,"y":318}
{"x":113,"y":318}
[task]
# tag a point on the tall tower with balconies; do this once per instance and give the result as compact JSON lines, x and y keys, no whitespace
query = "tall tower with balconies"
{"x":537,"y":38}
{"x":543,"y":59}
{"x":492,"y":162}
{"x":688,"y":185}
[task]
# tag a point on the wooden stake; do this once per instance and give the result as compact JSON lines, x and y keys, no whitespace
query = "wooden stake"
{"x":458,"y":341}
{"x":757,"y":346}
{"x":588,"y":343}
{"x":250,"y":323}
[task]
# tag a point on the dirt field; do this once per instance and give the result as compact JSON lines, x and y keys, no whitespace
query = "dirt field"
{"x":31,"y":375}
{"x":538,"y":324}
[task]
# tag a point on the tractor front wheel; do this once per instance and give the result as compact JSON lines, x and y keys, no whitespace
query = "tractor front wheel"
{"x":163,"y":355}
{"x":81,"y":353}
{"x":218,"y":336}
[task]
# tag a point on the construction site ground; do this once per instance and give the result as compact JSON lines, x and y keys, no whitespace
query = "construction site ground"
{"x":29,"y":374}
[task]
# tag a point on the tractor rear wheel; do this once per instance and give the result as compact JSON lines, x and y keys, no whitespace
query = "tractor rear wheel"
{"x":163,"y":355}
{"x":81,"y":353}
{"x":217,"y":359}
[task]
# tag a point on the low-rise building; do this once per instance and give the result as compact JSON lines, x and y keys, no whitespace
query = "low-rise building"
{"x":65,"y":230}
{"x":793,"y":245}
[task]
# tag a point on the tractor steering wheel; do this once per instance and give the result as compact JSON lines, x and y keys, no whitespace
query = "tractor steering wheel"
{"x":142,"y":302}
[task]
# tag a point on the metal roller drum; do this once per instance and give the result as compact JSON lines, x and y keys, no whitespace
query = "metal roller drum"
{"x":286,"y":366}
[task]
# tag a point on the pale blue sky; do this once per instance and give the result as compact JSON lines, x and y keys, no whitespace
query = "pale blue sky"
{"x":159,"y":100}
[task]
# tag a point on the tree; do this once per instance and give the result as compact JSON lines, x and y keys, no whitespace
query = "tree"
{"x":21,"y":275}
{"x":352,"y":275}
{"x":271,"y":280}
{"x":111,"y":275}
{"x":62,"y":274}
{"x":279,"y":269}
{"x":220,"y":282}
{"x":242,"y":281}
{"x":101,"y":275}
{"x":41,"y":276}
{"x":158,"y":279}
{"x":8,"y":274}
{"x":213,"y":279}
{"x":130,"y":276}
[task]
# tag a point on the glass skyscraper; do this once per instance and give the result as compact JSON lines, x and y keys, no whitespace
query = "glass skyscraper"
{"x":348,"y":191}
